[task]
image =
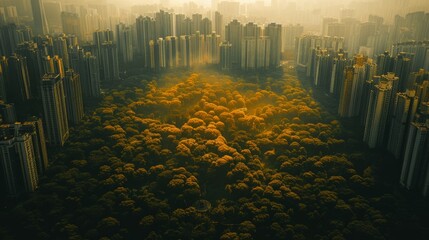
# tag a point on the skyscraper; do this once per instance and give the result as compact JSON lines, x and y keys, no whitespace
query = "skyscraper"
{"x":145,"y":33}
{"x":351,"y":96}
{"x":415,"y":167}
{"x":219,"y":26}
{"x":163,"y":24}
{"x":404,"y":111}
{"x":384,"y":63}
{"x":7,"y":112}
{"x":213,"y":48}
{"x":71,"y":24}
{"x":31,"y":53}
{"x":323,"y":69}
{"x":17,"y":161}
{"x":34,"y":127}
{"x":61,"y":50}
{"x":109,"y":60}
{"x":206,"y":27}
{"x":225,"y":56}
{"x":74,"y":102}
{"x":402,"y":66}
{"x":18,"y":88}
{"x":55,"y":110}
{"x":234,"y":35}
{"x":90,"y":76}
{"x":171,"y":52}
{"x":345,"y":97}
{"x":125,"y":43}
{"x":185,"y":51}
{"x":196,"y":22}
{"x":263,"y":60}
{"x":337,"y":77}
{"x":377,"y":115}
{"x":39,"y":17}
{"x":274,"y":32}
{"x":289,"y":34}
{"x":248,"y":53}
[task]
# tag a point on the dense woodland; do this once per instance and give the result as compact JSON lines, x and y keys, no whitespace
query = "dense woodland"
{"x":203,"y":155}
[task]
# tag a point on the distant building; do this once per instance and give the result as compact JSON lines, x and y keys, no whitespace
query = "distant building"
{"x":71,"y":24}
{"x":225,"y":56}
{"x":274,"y":32}
{"x":125,"y":43}
{"x":146,"y":28}
{"x":289,"y":35}
{"x":213,"y":42}
{"x":233,"y":34}
{"x":39,"y":17}
{"x":171,"y":52}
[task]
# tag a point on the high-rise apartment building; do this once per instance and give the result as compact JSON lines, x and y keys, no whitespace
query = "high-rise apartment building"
{"x":415,"y":167}
{"x":74,"y":102}
{"x":234,"y":35}
{"x":404,"y":111}
{"x":377,"y":115}
{"x":90,"y":76}
{"x":213,"y":42}
{"x":39,"y":18}
{"x":124,"y":39}
{"x":55,"y":110}
{"x":145,"y":33}
{"x":17,"y":161}
{"x":274,"y":32}
{"x":71,"y":24}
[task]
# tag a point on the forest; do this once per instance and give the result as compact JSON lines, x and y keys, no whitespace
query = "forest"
{"x":209,"y":155}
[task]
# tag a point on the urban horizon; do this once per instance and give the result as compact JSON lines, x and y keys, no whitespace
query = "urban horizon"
{"x":214,"y":119}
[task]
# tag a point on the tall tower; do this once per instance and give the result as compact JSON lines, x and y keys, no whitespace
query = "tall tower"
{"x":71,"y":24}
{"x":171,"y":51}
{"x":30,"y":51}
{"x":18,"y":88}
{"x":17,"y":161}
{"x":39,"y":18}
{"x":196,"y":22}
{"x":344,"y":103}
{"x":55,"y":110}
{"x":415,"y":167}
{"x":163,"y":24}
{"x":225,"y":56}
{"x":145,"y":33}
{"x":404,"y":111}
{"x":274,"y":32}
{"x":109,"y":60}
{"x":61,"y":49}
{"x":90,"y":76}
{"x":206,"y":27}
{"x":234,"y":35}
{"x":219,"y":27}
{"x":125,"y":43}
{"x":185,"y":51}
{"x":377,"y":115}
{"x":74,"y":102}
{"x":212,"y":47}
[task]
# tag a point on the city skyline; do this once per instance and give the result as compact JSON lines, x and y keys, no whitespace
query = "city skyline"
{"x":214,"y":119}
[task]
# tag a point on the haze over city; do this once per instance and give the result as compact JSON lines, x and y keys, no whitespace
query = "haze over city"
{"x":222,"y":119}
